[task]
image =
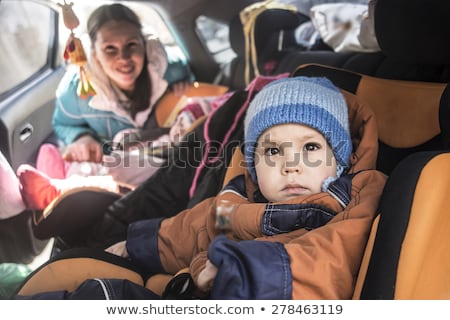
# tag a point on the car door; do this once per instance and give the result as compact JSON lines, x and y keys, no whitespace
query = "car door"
{"x":31,"y":66}
{"x":30,"y":69}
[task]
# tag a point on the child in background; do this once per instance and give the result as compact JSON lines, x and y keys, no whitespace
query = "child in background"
{"x":128,"y":167}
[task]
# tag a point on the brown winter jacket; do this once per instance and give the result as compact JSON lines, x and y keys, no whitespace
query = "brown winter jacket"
{"x":296,"y":256}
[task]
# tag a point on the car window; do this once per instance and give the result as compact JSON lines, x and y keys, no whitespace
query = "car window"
{"x":215,"y":36}
{"x":24,"y":41}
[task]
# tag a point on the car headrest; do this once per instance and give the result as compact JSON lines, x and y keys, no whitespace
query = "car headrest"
{"x":267,"y":23}
{"x":414,"y":31}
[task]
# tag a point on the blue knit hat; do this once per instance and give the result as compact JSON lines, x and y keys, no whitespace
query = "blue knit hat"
{"x":314,"y":102}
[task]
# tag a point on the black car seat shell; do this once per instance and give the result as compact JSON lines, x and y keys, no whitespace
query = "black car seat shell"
{"x":269,"y":45}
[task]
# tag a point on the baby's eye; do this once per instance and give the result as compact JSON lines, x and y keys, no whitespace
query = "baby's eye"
{"x":311,"y":147}
{"x":271,"y":151}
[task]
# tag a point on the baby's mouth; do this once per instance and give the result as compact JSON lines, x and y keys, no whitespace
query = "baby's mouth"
{"x":294,"y":189}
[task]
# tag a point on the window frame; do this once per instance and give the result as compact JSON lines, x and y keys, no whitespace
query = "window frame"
{"x":51,"y":61}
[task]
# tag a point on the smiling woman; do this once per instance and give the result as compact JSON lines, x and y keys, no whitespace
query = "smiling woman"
{"x":126,"y":70}
{"x":32,"y":62}
{"x":152,"y":24}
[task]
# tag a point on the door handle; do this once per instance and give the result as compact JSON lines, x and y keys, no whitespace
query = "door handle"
{"x":26,"y":133}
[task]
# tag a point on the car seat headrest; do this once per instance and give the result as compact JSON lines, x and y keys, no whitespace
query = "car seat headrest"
{"x":268,"y":26}
{"x":414,"y":31}
{"x":267,"y":23}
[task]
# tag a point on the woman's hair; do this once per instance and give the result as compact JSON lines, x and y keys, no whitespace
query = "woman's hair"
{"x":118,"y":12}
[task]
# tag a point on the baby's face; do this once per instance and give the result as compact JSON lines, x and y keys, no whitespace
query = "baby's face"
{"x":292,"y":160}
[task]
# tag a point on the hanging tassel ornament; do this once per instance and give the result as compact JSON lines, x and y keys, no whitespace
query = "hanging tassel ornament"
{"x":74,"y":52}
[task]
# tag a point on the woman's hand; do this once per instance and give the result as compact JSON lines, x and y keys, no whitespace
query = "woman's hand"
{"x":86,"y":148}
{"x":119,"y":249}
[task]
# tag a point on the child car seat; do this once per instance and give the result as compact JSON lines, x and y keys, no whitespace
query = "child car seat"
{"x":273,"y":38}
{"x":385,"y":230}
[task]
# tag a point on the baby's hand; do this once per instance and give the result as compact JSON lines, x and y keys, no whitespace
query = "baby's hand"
{"x":206,"y":277}
{"x":119,"y":249}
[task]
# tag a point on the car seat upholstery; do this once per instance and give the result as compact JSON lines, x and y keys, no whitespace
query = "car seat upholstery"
{"x":70,"y":268}
{"x":407,"y":112}
{"x":408,"y":42}
{"x":407,"y":256}
{"x":68,"y":271}
{"x":273,"y":38}
{"x":412,"y":36}
{"x":169,"y":104}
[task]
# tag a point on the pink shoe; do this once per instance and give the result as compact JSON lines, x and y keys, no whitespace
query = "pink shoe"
{"x":37,"y":189}
{"x":50,"y":161}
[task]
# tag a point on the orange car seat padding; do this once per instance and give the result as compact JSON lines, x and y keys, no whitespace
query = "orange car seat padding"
{"x":236,"y":166}
{"x":68,"y":274}
{"x":399,"y":212}
{"x":168,"y":104}
{"x":407,"y":112}
{"x":423,"y":270}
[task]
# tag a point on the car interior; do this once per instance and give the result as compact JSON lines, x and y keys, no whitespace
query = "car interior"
{"x":405,"y":83}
